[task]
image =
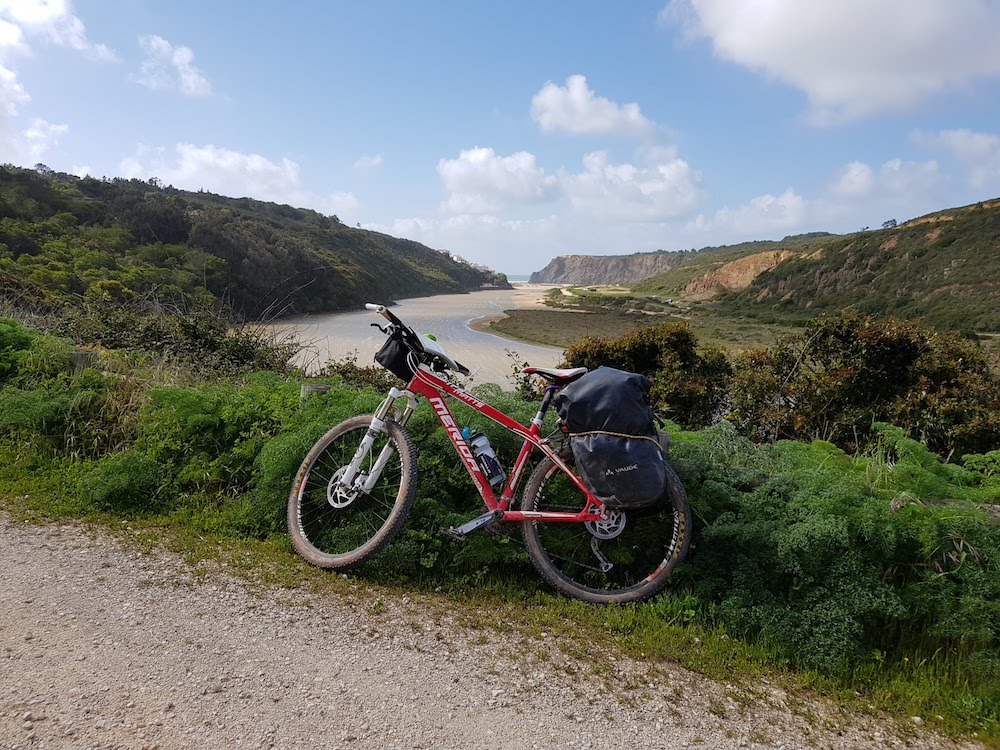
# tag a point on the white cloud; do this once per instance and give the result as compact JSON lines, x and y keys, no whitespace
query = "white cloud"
{"x":233,"y":173}
{"x":509,"y":245}
{"x":12,"y":94}
{"x":575,"y":109}
{"x":853,"y":58}
{"x":977,"y":153}
{"x":28,"y":145}
{"x":764,"y":215}
{"x":41,"y":136}
{"x":606,"y":207}
{"x":909,"y":178}
{"x":167,"y":67}
{"x":896,"y":178}
{"x":12,"y":38}
{"x":860,"y":194}
{"x":856,"y":180}
{"x":666,"y":188}
{"x":52,"y":20}
{"x":368,"y":162}
{"x":482,"y":182}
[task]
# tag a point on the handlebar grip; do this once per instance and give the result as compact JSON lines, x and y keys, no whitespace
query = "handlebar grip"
{"x":385,"y":313}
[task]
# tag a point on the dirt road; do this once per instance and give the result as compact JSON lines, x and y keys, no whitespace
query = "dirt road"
{"x":102,"y":646}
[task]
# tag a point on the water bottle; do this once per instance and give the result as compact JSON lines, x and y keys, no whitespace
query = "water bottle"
{"x":487,"y":459}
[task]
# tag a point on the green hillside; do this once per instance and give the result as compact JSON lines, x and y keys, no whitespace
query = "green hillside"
{"x":699,"y":262}
{"x":65,"y":238}
{"x":943,"y":268}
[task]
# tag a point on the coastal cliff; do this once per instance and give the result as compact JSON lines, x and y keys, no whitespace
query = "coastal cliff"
{"x":606,"y":269}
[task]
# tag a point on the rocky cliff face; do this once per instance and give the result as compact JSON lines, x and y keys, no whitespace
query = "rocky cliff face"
{"x":737,"y":274}
{"x":606,"y":269}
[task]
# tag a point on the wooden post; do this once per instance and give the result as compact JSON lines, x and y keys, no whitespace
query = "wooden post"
{"x":307,"y":389}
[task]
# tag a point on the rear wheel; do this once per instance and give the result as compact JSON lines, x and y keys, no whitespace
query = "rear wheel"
{"x":625,"y":557}
{"x":336,"y":527}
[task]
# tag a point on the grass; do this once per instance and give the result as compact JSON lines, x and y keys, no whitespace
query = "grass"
{"x":539,"y":622}
{"x":564,"y":328}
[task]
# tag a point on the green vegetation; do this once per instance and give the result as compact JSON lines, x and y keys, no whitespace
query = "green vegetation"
{"x":875,"y":572}
{"x":939,"y":268}
{"x":690,"y":383}
{"x":65,"y":241}
{"x":942,"y":268}
{"x":832,"y":382}
{"x":698,"y":262}
{"x":613,"y":314}
{"x":563,"y":328}
{"x":840,"y":375}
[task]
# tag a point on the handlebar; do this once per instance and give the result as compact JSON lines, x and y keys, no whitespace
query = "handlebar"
{"x":385,"y":313}
{"x":410,"y":336}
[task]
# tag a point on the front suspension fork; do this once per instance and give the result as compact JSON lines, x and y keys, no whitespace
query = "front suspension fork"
{"x":355,"y":479}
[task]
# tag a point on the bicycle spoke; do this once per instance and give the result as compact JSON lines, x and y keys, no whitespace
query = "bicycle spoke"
{"x":336,"y":526}
{"x":624,"y":558}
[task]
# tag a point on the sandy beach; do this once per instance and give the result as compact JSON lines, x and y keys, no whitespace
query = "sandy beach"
{"x":527,"y":296}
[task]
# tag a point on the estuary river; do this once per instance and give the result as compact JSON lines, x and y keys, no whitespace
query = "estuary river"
{"x":447,"y":316}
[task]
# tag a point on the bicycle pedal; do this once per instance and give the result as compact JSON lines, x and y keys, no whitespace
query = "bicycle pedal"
{"x":453,"y":533}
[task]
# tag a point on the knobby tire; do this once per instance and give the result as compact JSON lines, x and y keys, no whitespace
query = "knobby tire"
{"x":643,"y":555}
{"x":346,"y":537}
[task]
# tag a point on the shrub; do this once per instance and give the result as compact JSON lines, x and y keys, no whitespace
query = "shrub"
{"x":199,"y":339}
{"x":798,"y":549}
{"x":359,"y":376}
{"x":67,"y":415}
{"x":843,"y":374}
{"x":14,"y":338}
{"x":988,"y":463}
{"x":125,"y":483}
{"x":690,"y":385}
{"x":210,"y":436}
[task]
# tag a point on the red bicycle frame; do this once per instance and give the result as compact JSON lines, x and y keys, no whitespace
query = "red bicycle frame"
{"x":427,"y":384}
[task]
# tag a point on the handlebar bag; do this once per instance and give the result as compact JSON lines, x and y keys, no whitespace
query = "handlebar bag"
{"x":394,"y":356}
{"x":613,"y":437}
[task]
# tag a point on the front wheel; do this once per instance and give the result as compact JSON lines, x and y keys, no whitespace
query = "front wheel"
{"x":626,"y":557}
{"x":338,"y":527}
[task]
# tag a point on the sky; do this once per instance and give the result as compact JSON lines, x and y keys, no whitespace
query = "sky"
{"x":510,"y":133}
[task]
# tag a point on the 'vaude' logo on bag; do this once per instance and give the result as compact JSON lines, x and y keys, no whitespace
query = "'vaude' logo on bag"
{"x":620,"y":469}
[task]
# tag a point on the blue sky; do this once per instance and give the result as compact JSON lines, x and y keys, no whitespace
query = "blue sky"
{"x":511,"y":133}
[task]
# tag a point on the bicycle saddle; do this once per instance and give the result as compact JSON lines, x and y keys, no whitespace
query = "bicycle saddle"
{"x":562,"y":377}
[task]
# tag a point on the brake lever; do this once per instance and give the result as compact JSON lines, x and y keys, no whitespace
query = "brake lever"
{"x":383,"y":330}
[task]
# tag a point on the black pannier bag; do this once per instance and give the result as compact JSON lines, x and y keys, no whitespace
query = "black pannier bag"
{"x":394,"y":356}
{"x":613,"y":437}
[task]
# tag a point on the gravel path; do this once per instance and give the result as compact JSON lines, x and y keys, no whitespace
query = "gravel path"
{"x":102,"y":646}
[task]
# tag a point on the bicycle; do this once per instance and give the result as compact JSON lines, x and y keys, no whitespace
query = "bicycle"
{"x":357,"y":484}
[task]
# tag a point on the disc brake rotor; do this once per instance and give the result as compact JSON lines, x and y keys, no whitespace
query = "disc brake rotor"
{"x":337,"y":494}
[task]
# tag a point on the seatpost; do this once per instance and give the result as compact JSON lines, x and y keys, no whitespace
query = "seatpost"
{"x":550,"y":392}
